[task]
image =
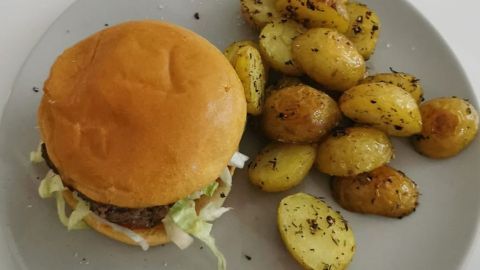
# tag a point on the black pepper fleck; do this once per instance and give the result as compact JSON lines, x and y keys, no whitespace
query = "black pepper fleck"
{"x":196,"y":16}
{"x":35,"y":89}
{"x":392,"y":70}
{"x":330,"y":221}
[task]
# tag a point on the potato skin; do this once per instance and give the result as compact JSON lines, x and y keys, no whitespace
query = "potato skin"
{"x":351,"y":151}
{"x":383,"y":106}
{"x":383,"y":191}
{"x":299,"y":114}
{"x":315,"y":14}
{"x":364,"y":28}
{"x":329,"y":58}
{"x":232,"y":49}
{"x":449,"y":126}
{"x":276,"y":45}
{"x":259,"y":13}
{"x":316,"y":236}
{"x":252,"y":73}
{"x":403,"y":80}
{"x":279,"y":167}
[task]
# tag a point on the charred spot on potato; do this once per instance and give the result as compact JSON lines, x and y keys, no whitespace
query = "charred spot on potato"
{"x":357,"y":29}
{"x":330,"y":220}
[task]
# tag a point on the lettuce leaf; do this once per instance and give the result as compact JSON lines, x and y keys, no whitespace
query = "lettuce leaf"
{"x":36,"y":156}
{"x":212,"y":211}
{"x":126,"y":231}
{"x":176,"y":234}
{"x":52,"y":185}
{"x":238,"y":160}
{"x":183,"y":214}
{"x":226,"y":177}
{"x":208,"y":190}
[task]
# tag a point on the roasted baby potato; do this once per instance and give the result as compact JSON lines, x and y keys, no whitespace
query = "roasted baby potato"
{"x":299,"y":114}
{"x":251,"y":71}
{"x":232,"y":50}
{"x":276,"y":45}
{"x":384,"y":106}
{"x":383,"y":191}
{"x":329,"y":58}
{"x":317,"y":236}
{"x":449,"y":125}
{"x":405,"y":81}
{"x":319,"y":13}
{"x":364,"y":28}
{"x":259,"y":12}
{"x":351,"y":151}
{"x":279,"y":167}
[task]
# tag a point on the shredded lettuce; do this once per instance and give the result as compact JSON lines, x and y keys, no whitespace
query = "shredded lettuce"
{"x":176,"y":234}
{"x":52,"y":185}
{"x":238,"y":160}
{"x":36,"y":156}
{"x":81,"y":211}
{"x":226,"y":177}
{"x":212,"y":211}
{"x":183,"y":214}
{"x":208,"y":190}
{"x":129,"y":233}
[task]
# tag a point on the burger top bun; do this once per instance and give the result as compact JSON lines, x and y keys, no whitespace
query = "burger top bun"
{"x":140,"y":114}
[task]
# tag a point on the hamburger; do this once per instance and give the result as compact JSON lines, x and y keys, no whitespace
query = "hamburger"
{"x":140,"y":124}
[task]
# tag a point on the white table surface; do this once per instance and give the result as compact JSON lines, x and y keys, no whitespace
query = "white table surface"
{"x":24,"y":21}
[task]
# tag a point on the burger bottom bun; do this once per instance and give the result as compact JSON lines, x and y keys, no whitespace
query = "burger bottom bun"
{"x":154,"y":236}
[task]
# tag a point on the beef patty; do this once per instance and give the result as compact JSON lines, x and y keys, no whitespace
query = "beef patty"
{"x":133,"y":218}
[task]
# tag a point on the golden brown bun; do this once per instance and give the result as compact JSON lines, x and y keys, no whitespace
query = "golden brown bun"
{"x":141,"y":114}
{"x":154,"y":236}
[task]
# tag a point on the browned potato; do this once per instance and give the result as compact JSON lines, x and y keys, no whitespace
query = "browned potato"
{"x":364,"y":28}
{"x":383,"y":191}
{"x":318,"y":13}
{"x":316,"y":235}
{"x":259,"y":12}
{"x":231,"y":51}
{"x":276,"y":45}
{"x":403,"y":80}
{"x":251,"y":71}
{"x":449,"y":125}
{"x":299,"y":114}
{"x":279,"y":167}
{"x":383,"y":106}
{"x":354,"y":150}
{"x":329,"y":58}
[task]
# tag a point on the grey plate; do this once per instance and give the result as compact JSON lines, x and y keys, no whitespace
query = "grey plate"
{"x":437,"y":236}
